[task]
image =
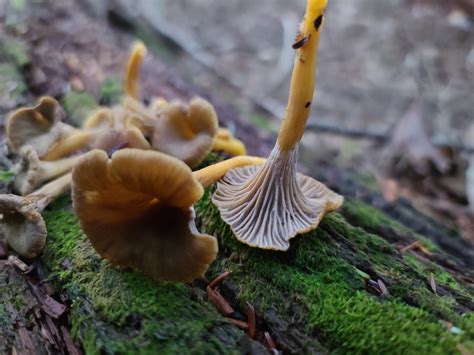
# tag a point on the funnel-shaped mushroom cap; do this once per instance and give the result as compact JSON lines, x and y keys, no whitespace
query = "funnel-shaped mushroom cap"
{"x":22,"y":225}
{"x":268,"y":205}
{"x":186,"y":132}
{"x":37,"y":126}
{"x":136,"y":209}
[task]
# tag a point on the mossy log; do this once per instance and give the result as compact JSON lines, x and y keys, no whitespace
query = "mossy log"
{"x":338,"y":289}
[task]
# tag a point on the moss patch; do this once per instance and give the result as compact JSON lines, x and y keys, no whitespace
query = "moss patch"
{"x":315,"y":290}
{"x":15,"y":51}
{"x":124,"y":311}
{"x":78,"y":105}
{"x":317,"y":284}
{"x":12,"y":86}
{"x":110,"y":91}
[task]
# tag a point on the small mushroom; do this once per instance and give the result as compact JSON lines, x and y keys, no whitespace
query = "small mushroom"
{"x":267,"y":206}
{"x":106,"y":139}
{"x":38,"y":126}
{"x":102,"y":118}
{"x":132,"y":73}
{"x":186,"y":131}
{"x":30,"y":172}
{"x":20,"y":217}
{"x":137,"y":211}
{"x":225,"y":142}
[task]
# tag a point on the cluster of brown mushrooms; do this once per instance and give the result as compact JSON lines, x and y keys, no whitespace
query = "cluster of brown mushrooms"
{"x":132,"y":179}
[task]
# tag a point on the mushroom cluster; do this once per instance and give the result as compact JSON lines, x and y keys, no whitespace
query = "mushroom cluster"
{"x":156,"y":144}
{"x":133,"y":187}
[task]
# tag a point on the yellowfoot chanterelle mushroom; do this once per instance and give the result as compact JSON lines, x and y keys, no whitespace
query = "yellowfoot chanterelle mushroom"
{"x":20,"y":217}
{"x":137,"y":210}
{"x":267,"y":206}
{"x":186,"y":131}
{"x":39,"y":126}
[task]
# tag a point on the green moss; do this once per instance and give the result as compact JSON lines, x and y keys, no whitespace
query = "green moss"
{"x":6,"y":176}
{"x":78,"y":105}
{"x":261,"y":122}
{"x":362,"y":215}
{"x":15,"y":51}
{"x":317,"y":284}
{"x":110,"y":91}
{"x":128,"y":312}
{"x":12,"y":86}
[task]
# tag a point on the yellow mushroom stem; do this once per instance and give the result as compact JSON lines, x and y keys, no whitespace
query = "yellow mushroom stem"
{"x":70,"y":145}
{"x":230,"y":146}
{"x":212,"y":173}
{"x":31,"y":172}
{"x":132,"y":73}
{"x":22,"y":224}
{"x":49,"y":192}
{"x":303,"y":78}
{"x":108,"y":140}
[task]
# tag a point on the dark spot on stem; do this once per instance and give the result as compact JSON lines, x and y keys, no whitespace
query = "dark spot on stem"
{"x":318,"y":22}
{"x":300,"y":43}
{"x":308,"y":104}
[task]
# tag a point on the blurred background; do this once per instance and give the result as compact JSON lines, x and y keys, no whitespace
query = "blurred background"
{"x":394,"y":99}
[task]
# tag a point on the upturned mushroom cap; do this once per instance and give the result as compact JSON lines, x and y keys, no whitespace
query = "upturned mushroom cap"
{"x":225,"y":142}
{"x":136,"y":209}
{"x":20,"y":217}
{"x":268,"y":205}
{"x":22,"y":225}
{"x":186,"y":132}
{"x":37,"y":126}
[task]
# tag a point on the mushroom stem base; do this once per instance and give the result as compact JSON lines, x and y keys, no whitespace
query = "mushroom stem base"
{"x":268,"y":205}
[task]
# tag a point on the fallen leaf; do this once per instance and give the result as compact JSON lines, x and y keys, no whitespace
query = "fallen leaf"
{"x":238,"y":323}
{"x":433,"y":283}
{"x":251,"y":321}
{"x":223,"y":307}
{"x":219,"y":279}
{"x":383,"y":288}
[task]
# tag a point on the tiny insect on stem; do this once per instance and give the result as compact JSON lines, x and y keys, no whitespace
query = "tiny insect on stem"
{"x":300,"y":43}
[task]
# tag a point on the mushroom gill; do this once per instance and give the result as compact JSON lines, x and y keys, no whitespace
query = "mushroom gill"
{"x":186,"y":131}
{"x":267,"y":206}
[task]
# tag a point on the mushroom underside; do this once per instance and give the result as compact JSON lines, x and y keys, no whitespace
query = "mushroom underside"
{"x":163,"y":243}
{"x":22,"y":225}
{"x":136,"y":209}
{"x":268,"y":205}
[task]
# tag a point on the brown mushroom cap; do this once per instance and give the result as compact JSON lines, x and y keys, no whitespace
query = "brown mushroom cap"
{"x":136,"y":209}
{"x":20,"y":217}
{"x":186,"y":132}
{"x":37,"y":126}
{"x":22,"y":225}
